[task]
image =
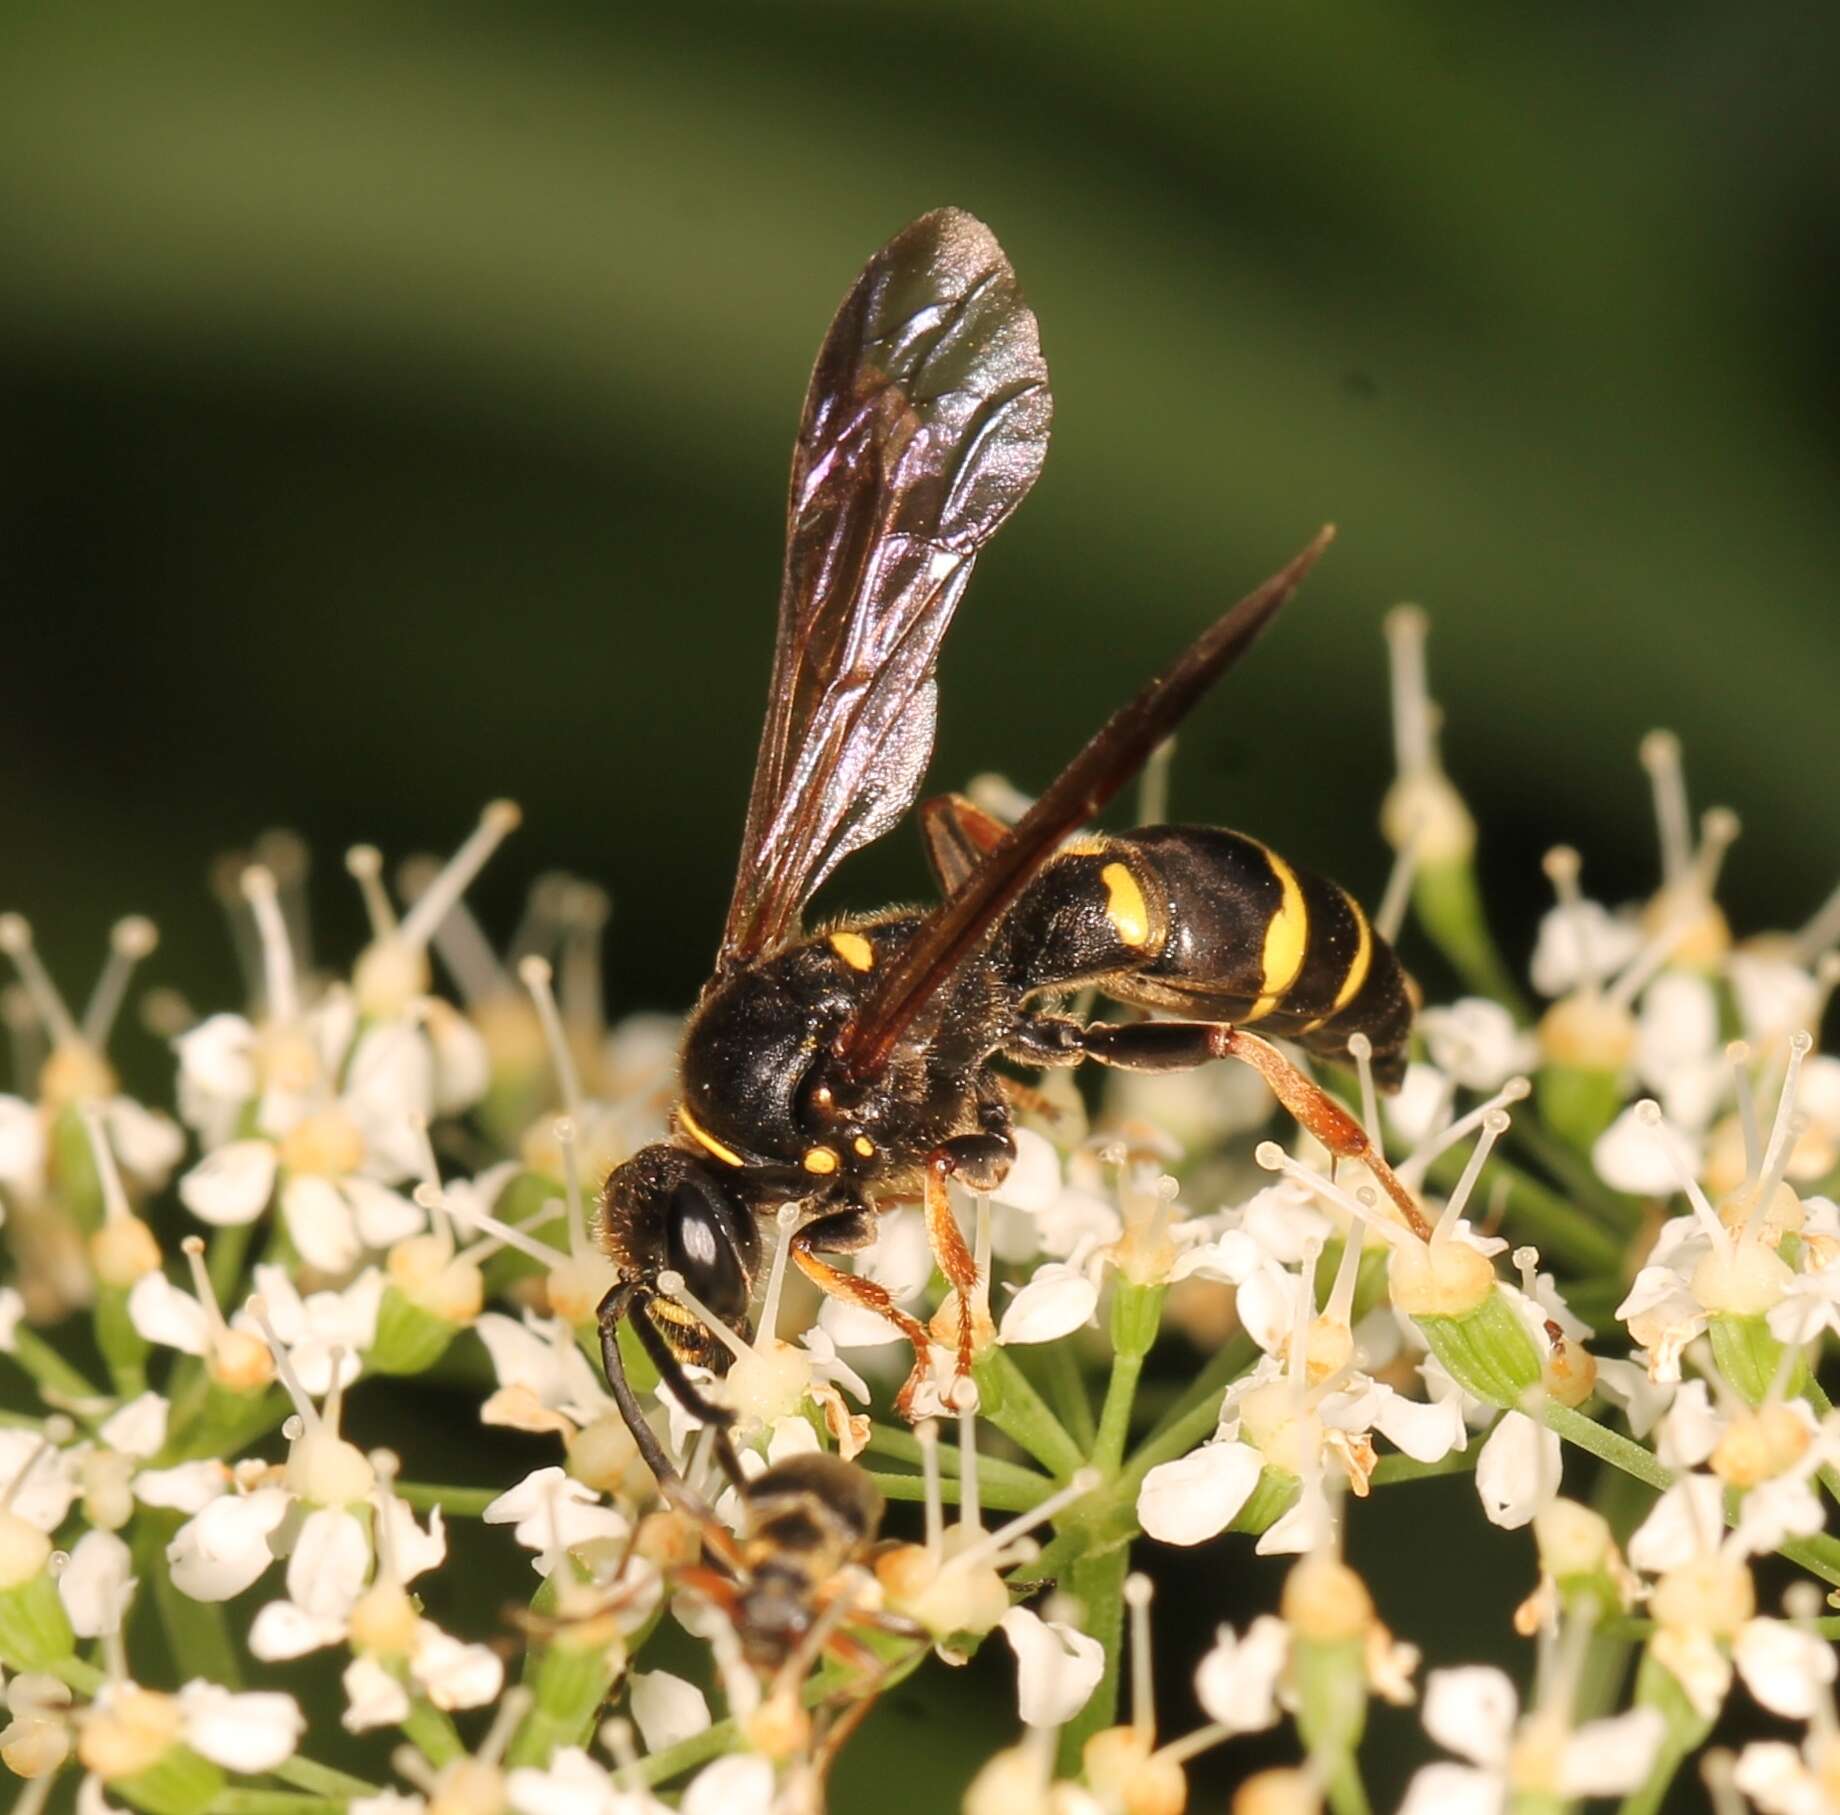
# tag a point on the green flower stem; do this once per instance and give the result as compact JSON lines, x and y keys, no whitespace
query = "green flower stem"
{"x":84,"y":1678}
{"x":1820,"y":1555}
{"x":1021,"y":1414}
{"x":322,"y":1780}
{"x":223,"y":1261}
{"x":61,"y":1383}
{"x":1406,"y":1468}
{"x":1822,"y":1405}
{"x":1560,"y":1230}
{"x":197,"y":1633}
{"x":123,"y":1348}
{"x":900,"y":1445}
{"x":1448,"y":905}
{"x":1684,"y":1731}
{"x":454,"y":1502}
{"x":1097,"y":1582}
{"x":433,"y":1733}
{"x":230,"y":1423}
{"x":1067,"y":1391}
{"x":1137,"y":1311}
{"x":1608,"y":1446}
{"x":1000,"y":1496}
{"x":1197,"y":1412}
{"x":271,"y":1802}
{"x":1347,"y":1794}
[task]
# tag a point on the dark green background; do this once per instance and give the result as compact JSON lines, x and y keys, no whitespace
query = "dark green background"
{"x":394,"y":406}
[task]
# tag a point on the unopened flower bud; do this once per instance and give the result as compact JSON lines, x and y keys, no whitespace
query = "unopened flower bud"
{"x":1324,"y":1602}
{"x":108,"y":1493}
{"x":1284,"y":1791}
{"x":24,"y":1551}
{"x":778,"y":1728}
{"x":130,"y":1733}
{"x":1572,"y":1539}
{"x":1570,"y":1372}
{"x":122,"y":1250}
{"x":384,"y":1620}
{"x":1588,"y":1032}
{"x":469,"y":1786}
{"x":1758,"y":1446}
{"x":1439,"y":1279}
{"x":324,"y":1470}
{"x":600,"y":1454}
{"x":1127,"y":1774}
{"x":1712,"y":1594}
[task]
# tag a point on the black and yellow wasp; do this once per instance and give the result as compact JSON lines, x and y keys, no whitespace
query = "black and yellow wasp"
{"x":844,"y":1067}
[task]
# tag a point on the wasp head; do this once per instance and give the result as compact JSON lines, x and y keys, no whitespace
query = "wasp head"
{"x":667,"y":1210}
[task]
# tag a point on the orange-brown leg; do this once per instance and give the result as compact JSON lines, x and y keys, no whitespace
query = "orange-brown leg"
{"x":1182,"y":1045}
{"x":848,"y":1231}
{"x":956,"y":1261}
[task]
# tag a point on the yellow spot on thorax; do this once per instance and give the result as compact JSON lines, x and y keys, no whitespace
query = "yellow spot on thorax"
{"x":864,"y":1146}
{"x":820,"y":1160}
{"x":703,"y":1138}
{"x":1125,"y":906}
{"x":854,"y":950}
{"x":1287,"y":937}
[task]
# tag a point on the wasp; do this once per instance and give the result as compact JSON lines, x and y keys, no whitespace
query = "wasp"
{"x":847,"y":1066}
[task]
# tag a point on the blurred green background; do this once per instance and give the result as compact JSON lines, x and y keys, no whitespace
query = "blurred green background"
{"x":396,"y":404}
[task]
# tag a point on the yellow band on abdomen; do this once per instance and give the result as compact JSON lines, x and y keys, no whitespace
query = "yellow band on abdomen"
{"x":1287,"y":938}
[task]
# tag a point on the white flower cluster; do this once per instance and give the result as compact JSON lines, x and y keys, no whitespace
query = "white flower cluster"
{"x":1602,"y":1247}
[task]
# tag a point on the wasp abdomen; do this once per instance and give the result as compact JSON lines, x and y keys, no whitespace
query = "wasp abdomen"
{"x":1213,"y":925}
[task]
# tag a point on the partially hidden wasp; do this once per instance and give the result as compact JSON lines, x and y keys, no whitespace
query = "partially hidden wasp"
{"x":844,"y":1067}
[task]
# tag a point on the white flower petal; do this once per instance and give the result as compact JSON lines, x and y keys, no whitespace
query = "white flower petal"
{"x":1190,"y":1500}
{"x":1034,"y":1179}
{"x":42,"y":1482}
{"x":1570,"y":935}
{"x":452,"y":1674}
{"x":741,"y":1785}
{"x":330,"y":1561}
{"x":22,"y":1146}
{"x":548,"y":1507}
{"x":1057,"y":1667}
{"x":1237,"y":1682}
{"x":1455,"y":1790}
{"x":1686,"y":1522}
{"x":1786,"y":1669}
{"x":1611,"y":1757}
{"x":1633,"y":1155}
{"x":148,"y":1144}
{"x":162,"y":1314}
{"x":1471,"y":1711}
{"x":281,"y":1630}
{"x":1057,"y":1301}
{"x":384,"y":1217}
{"x":97,"y":1584}
{"x":1475,"y":1041}
{"x":138,"y":1428}
{"x":319,"y":1221}
{"x":1775,"y":1777}
{"x":373,"y":1697}
{"x":666,"y":1709}
{"x":245,"y":1733}
{"x":1690,"y":1431}
{"x":1518,"y":1470}
{"x":222,"y":1548}
{"x":187,"y":1487}
{"x":416,"y":1551}
{"x":1424,"y":1432}
{"x":231,"y":1185}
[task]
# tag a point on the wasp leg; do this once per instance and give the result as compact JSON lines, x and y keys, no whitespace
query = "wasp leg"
{"x":1182,"y":1045}
{"x":980,"y":1162}
{"x":848,"y":1232}
{"x":628,"y":1301}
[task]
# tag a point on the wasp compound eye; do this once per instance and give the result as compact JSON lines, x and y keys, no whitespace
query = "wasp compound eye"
{"x":710,"y":1239}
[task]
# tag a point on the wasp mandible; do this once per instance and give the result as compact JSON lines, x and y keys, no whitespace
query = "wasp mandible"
{"x":844,"y":1067}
